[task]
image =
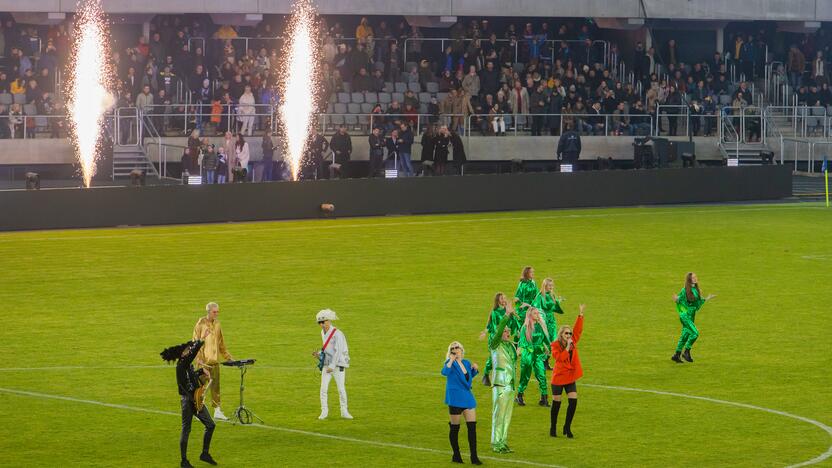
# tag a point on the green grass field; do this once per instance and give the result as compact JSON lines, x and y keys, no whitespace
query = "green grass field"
{"x":86,"y":312}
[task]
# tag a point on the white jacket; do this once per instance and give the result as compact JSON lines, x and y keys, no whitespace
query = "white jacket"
{"x":242,"y":154}
{"x":246,"y":105}
{"x":337,"y":353}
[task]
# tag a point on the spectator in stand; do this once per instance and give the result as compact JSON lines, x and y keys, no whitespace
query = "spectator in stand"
{"x":341,"y":146}
{"x":17,"y":86}
{"x":433,"y":110}
{"x":209,"y":164}
{"x":519,"y":101}
{"x":362,"y":82}
{"x":538,"y":106}
{"x":796,"y":66}
{"x":225,"y":32}
{"x":819,"y":68}
{"x":489,"y":79}
{"x":243,"y":156}
{"x":246,"y":111}
{"x":267,"y":146}
{"x":312,"y":164}
{"x":222,"y":165}
{"x":427,"y":143}
{"x":363,"y":30}
{"x":471,"y":83}
{"x":16,"y":121}
{"x":144,"y":101}
{"x":441,"y":145}
{"x":377,"y":144}
{"x":405,"y":144}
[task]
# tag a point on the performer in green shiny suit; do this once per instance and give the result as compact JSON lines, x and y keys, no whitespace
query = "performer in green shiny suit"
{"x":548,"y":304}
{"x":504,"y":357}
{"x":688,"y":301}
{"x":534,"y":343}
{"x":494,"y":319}
{"x":526,"y":292}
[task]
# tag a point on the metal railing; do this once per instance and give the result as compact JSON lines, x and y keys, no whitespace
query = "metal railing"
{"x":185,"y":118}
{"x":578,"y":122}
{"x":366,"y":122}
{"x":550,"y":45}
{"x":801,"y":146}
{"x":27,"y":126}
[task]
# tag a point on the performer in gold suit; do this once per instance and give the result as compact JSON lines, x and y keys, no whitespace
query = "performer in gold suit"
{"x":208,"y":357}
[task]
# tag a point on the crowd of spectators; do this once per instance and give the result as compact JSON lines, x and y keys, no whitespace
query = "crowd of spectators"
{"x":541,"y":77}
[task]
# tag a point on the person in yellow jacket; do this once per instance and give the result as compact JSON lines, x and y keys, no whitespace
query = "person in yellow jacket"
{"x":208,"y":357}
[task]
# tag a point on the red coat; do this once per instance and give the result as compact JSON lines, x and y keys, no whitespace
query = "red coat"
{"x":568,"y":370}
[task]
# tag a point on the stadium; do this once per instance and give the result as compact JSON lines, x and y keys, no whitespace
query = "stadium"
{"x":541,"y":233}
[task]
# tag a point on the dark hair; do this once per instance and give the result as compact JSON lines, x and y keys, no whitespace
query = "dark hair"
{"x":240,"y":141}
{"x":174,"y":352}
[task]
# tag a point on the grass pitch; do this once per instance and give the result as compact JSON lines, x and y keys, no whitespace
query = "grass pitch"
{"x":86,"y":313}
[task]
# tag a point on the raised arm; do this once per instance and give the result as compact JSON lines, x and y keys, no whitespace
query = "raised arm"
{"x":497,"y":337}
{"x":579,"y":326}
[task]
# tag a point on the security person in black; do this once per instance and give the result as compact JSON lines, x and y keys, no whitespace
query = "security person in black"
{"x":377,"y":145}
{"x":187,"y":379}
{"x":569,"y":147}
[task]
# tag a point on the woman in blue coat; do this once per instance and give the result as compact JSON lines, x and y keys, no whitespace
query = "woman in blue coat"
{"x":460,"y":375}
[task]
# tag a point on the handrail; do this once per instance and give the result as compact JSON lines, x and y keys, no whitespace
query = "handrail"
{"x":607,"y":118}
{"x":153,"y":133}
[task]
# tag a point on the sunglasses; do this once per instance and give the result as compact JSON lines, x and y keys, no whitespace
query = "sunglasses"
{"x":456,"y":347}
{"x":567,"y":333}
{"x":321,"y":321}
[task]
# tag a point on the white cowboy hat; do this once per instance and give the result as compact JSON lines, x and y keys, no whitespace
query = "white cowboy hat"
{"x":326,"y":314}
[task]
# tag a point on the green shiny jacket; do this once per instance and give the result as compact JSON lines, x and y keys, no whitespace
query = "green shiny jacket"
{"x":683,"y":306}
{"x":503,"y":356}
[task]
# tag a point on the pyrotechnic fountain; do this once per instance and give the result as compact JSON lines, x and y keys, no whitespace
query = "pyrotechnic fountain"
{"x":300,"y":74}
{"x":88,"y":84}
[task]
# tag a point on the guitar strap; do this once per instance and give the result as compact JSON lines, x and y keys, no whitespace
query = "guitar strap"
{"x":326,"y":343}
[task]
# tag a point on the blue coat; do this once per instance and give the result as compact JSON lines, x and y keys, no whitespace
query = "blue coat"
{"x":458,"y":386}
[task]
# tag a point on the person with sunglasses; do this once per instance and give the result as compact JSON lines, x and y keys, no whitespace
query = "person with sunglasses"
{"x":459,"y":374}
{"x":334,"y":359}
{"x":567,"y":371}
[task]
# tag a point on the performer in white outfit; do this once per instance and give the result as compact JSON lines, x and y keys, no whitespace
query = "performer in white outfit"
{"x":336,"y":359}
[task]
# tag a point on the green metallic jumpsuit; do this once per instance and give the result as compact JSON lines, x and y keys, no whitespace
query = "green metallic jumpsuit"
{"x":526,"y":292}
{"x":493,"y":323}
{"x":687,"y":315}
{"x":504,"y":357}
{"x":533,"y":358}
{"x":548,"y":305}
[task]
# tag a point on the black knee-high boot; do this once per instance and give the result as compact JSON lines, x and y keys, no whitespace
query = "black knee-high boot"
{"x":553,"y":419}
{"x":472,"y":442}
{"x":570,"y":413}
{"x":454,"y":437}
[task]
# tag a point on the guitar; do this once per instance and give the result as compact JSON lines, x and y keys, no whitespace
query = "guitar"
{"x":201,"y":392}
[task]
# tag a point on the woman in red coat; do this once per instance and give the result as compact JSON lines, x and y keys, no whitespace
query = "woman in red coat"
{"x":567,"y":371}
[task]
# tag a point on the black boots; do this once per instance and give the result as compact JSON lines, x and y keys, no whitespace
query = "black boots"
{"x":454,"y":437}
{"x":206,"y":457}
{"x":570,"y":413}
{"x":472,"y":442}
{"x":553,"y":418}
{"x":676,"y":357}
{"x":544,"y":400}
{"x":185,"y":464}
{"x":687,"y":356}
{"x":520,"y":400}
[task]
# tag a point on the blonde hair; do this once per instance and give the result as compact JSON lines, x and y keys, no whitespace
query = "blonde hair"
{"x":562,"y":329}
{"x":545,"y":282}
{"x":529,"y":323}
{"x":453,"y":345}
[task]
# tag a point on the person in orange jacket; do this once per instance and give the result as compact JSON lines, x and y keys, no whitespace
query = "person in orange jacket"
{"x":567,"y":371}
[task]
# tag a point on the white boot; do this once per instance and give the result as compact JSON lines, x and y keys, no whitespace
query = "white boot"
{"x":345,"y":414}
{"x":324,"y":413}
{"x":218,"y":414}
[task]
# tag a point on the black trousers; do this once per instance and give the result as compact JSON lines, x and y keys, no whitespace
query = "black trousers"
{"x":376,"y":162}
{"x":188,"y":413}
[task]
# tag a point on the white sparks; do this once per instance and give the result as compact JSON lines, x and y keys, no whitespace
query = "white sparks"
{"x":299,"y":82}
{"x":88,"y":85}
